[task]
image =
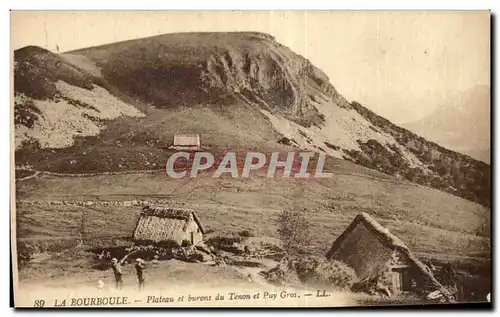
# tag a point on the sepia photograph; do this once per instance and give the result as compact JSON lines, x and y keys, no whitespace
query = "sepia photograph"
{"x":250,"y":158}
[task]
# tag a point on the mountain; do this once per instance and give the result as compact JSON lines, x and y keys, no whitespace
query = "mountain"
{"x":462,"y":123}
{"x":117,"y":106}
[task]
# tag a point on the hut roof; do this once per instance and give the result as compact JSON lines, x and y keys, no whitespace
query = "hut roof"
{"x":187,"y":139}
{"x":388,"y":239}
{"x":164,"y":224}
{"x":174,"y":213}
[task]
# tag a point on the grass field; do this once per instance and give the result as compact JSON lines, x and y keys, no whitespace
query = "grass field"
{"x":435,"y":225}
{"x":432,"y":223}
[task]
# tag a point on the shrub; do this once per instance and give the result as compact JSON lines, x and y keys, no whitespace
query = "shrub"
{"x":25,"y":111}
{"x":195,"y":257}
{"x":293,"y":229}
{"x":284,"y":273}
{"x":276,"y":277}
{"x":332,"y":146}
{"x":186,"y":243}
{"x":246,"y":233}
{"x":227,"y":240}
{"x":226,"y":243}
{"x":305,"y":267}
{"x":321,"y":272}
{"x":25,"y":253}
{"x":286,"y":141}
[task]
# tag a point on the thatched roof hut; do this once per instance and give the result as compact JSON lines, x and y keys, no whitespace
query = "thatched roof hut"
{"x":370,"y":248}
{"x":163,"y":224}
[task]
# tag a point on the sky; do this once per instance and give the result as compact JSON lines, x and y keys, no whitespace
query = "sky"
{"x":400,"y":64}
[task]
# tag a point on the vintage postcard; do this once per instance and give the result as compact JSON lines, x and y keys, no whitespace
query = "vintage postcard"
{"x":250,"y":158}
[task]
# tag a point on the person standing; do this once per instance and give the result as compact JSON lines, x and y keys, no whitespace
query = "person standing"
{"x":118,"y":271}
{"x":140,"y":266}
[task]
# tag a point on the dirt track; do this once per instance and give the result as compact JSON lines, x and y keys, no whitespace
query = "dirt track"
{"x":365,"y":176}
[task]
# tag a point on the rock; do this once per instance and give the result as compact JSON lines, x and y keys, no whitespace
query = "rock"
{"x":203,"y":248}
{"x":205,"y":257}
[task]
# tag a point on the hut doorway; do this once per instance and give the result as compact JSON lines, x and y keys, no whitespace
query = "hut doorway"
{"x":406,"y":281}
{"x":401,"y":279}
{"x":192,"y":238}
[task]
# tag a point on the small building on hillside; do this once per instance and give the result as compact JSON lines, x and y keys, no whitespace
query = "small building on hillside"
{"x":376,"y":254}
{"x":165,"y":224}
{"x":186,"y":142}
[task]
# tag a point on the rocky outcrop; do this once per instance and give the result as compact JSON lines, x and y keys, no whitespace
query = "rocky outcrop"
{"x":192,"y":68}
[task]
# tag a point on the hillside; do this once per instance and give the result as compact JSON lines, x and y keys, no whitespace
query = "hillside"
{"x":56,"y":213}
{"x":56,"y":101}
{"x":124,"y":101}
{"x":462,"y":123}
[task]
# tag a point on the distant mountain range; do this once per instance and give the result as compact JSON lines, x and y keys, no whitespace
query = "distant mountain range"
{"x":462,"y":123}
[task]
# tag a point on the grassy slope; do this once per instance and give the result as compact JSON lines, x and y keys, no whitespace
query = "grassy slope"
{"x":140,"y":143}
{"x":432,"y":223}
{"x":435,"y":225}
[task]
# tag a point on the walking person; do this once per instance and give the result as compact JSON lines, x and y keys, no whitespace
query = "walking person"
{"x":140,"y":266}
